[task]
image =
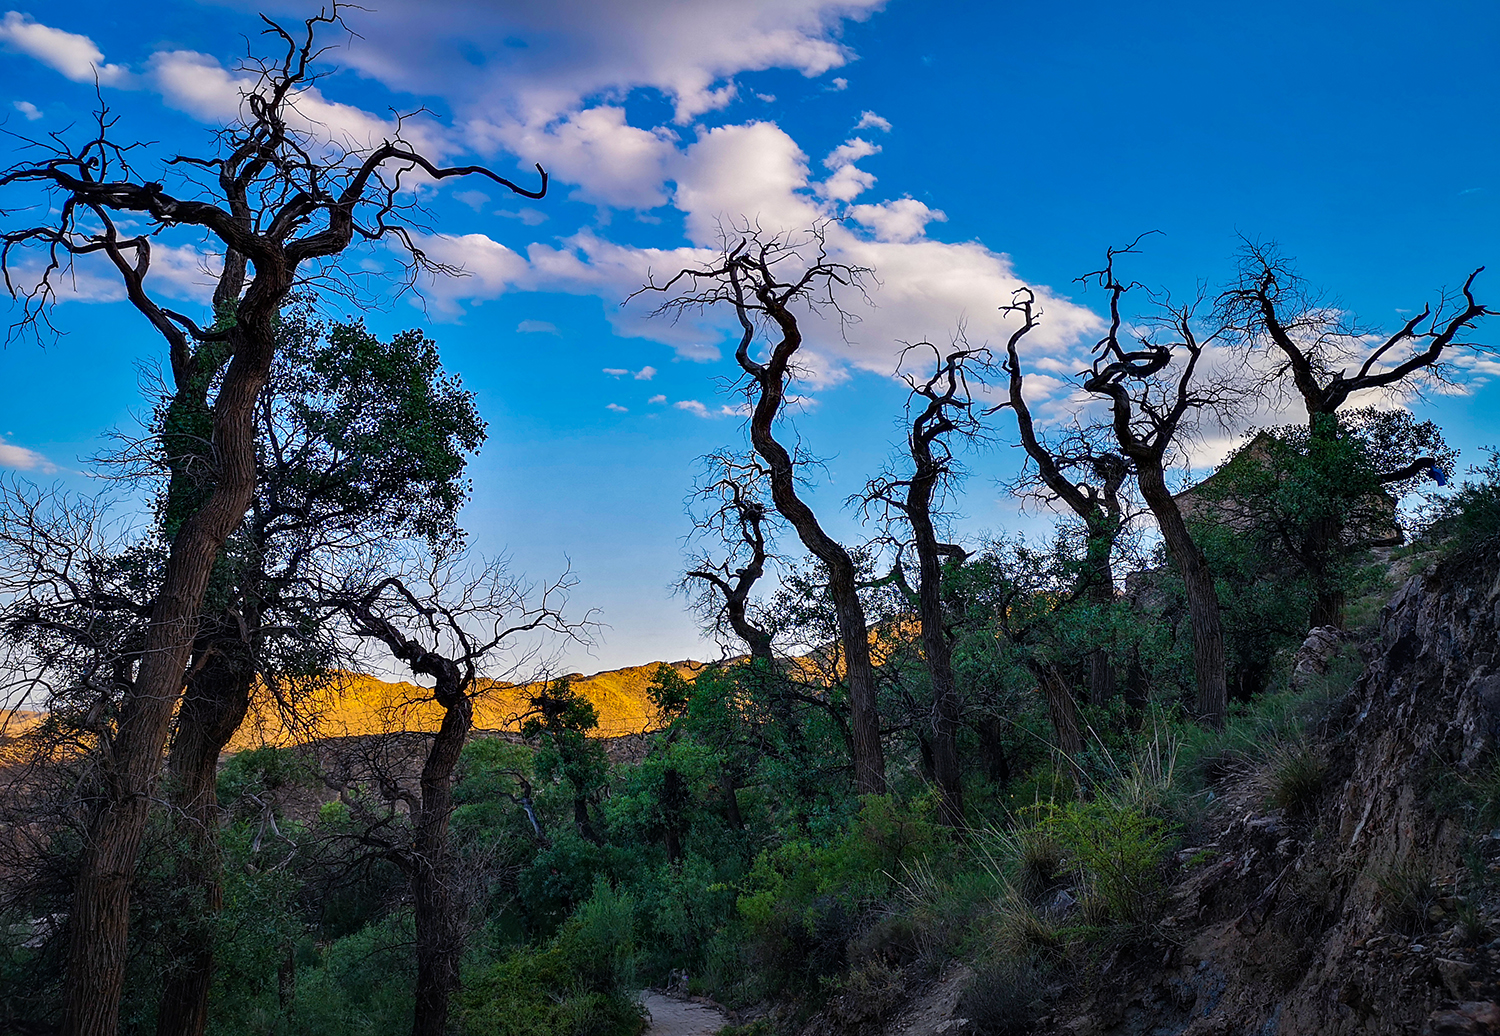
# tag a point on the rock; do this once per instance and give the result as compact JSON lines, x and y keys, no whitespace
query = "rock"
{"x":1476,"y":1018}
{"x":1455,"y":976}
{"x":1316,"y":652}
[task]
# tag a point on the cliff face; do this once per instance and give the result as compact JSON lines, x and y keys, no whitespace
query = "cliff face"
{"x":1376,"y":909}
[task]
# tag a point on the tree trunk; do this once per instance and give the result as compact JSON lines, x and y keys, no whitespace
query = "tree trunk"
{"x":992,"y":750}
{"x":439,"y":938}
{"x":1062,"y":710}
{"x":1202,"y":598}
{"x":843,"y":587}
{"x":214,"y":705}
{"x":98,"y":927}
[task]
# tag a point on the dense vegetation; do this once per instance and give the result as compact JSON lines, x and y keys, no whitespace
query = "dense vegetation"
{"x":913,"y":751}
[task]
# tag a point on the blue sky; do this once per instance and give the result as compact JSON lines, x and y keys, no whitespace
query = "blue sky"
{"x":972,"y":147}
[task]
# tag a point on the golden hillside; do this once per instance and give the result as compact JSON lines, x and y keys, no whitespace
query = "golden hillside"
{"x":361,"y":704}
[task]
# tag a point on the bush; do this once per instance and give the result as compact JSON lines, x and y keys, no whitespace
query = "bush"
{"x":1114,"y":850}
{"x":1406,"y":893}
{"x":581,"y":984}
{"x":1293,"y":779}
{"x":1466,"y":525}
{"x":1002,"y":999}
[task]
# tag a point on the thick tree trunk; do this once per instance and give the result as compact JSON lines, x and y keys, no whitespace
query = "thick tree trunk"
{"x":439,"y":939}
{"x":1202,"y":598}
{"x":1062,"y":710}
{"x":98,"y":927}
{"x":946,"y":709}
{"x":843,"y":586}
{"x":992,"y":750}
{"x":213,"y":707}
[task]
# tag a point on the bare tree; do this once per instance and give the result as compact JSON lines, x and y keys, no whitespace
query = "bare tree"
{"x":766,"y":280}
{"x":446,"y":624}
{"x":1318,"y":344}
{"x":939,"y":409}
{"x":1149,"y":410}
{"x":736,"y":516}
{"x":284,"y":204}
{"x":1077,"y":471}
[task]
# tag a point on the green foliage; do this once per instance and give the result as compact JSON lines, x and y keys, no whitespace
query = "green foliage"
{"x":1114,"y":851}
{"x":1406,"y":894}
{"x":258,"y":771}
{"x":1466,"y":525}
{"x":581,"y":984}
{"x":1294,"y":778}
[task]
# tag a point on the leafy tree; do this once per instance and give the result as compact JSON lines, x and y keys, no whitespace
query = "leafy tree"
{"x":560,"y":720}
{"x":280,"y":204}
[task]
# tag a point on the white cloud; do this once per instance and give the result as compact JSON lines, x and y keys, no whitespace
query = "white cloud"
{"x":26,"y":108}
{"x":851,"y":150}
{"x":534,"y":63}
{"x":22,"y":459}
{"x":536,"y":327}
{"x":610,"y":161}
{"x":645,"y":374}
{"x":692,"y":406}
{"x":657,"y":400}
{"x":839,"y":83}
{"x":76,"y":56}
{"x":616,"y":372}
{"x":905,"y":219}
{"x":869,"y":120}
{"x":617,"y":408}
{"x":473,"y":199}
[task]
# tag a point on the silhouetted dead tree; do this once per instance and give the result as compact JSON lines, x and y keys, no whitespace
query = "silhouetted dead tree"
{"x":940,"y":409}
{"x":448,"y":625}
{"x":284,"y":206}
{"x":736,"y":516}
{"x":1317,"y":343}
{"x":766,"y":280}
{"x":1150,"y":409}
{"x":1079,"y":472}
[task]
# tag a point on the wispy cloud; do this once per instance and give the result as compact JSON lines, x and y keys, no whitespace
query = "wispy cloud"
{"x":617,"y":408}
{"x":76,"y":56}
{"x":22,"y":459}
{"x":536,"y":327}
{"x":692,"y":406}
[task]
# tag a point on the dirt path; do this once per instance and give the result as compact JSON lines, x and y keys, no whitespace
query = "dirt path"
{"x":671,"y":1017}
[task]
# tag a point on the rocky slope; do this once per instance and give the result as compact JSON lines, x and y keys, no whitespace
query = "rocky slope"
{"x":1371,"y":905}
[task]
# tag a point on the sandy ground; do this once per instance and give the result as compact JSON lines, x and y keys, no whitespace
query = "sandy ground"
{"x":671,"y":1017}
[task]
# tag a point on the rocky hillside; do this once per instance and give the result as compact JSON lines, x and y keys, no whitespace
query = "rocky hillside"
{"x":358,"y":704}
{"x":1352,"y":890}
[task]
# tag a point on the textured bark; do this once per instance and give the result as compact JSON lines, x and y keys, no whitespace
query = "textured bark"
{"x":1202,"y":598}
{"x":217,"y":697}
{"x":937,"y":647}
{"x":439,"y":940}
{"x":843,"y":586}
{"x":1062,"y":710}
{"x":99,"y":923}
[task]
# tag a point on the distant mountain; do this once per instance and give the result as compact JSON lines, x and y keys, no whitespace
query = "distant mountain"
{"x":358,"y":704}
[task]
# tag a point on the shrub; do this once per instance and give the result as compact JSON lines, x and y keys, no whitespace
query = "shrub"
{"x":1115,"y":850}
{"x":1294,"y":777}
{"x":1002,"y":999}
{"x":1406,"y":893}
{"x":581,"y":984}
